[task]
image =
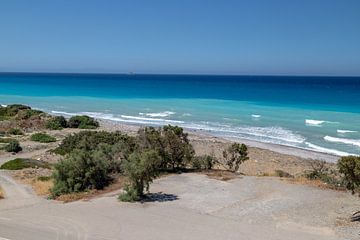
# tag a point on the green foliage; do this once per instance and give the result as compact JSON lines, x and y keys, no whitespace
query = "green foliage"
{"x":13,"y":146}
{"x":56,"y":123}
{"x":44,"y":178}
{"x":129,"y":195}
{"x":204,"y":162}
{"x":21,"y":163}
{"x":141,"y":168}
{"x":283,"y":174}
{"x":18,"y":111}
{"x":89,"y":140}
{"x":6,"y":140}
{"x":80,"y":171}
{"x":83,"y":122}
{"x":235,"y":155}
{"x":42,"y":137}
{"x":15,"y":131}
{"x":170,"y":142}
{"x":349,"y":167}
{"x":12,"y":110}
{"x":27,"y":113}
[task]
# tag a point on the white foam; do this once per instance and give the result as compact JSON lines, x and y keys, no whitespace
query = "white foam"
{"x":314,"y":122}
{"x":3,"y":105}
{"x":160,"y":114}
{"x":150,"y":119}
{"x":256,"y":115}
{"x":345,"y":131}
{"x":355,"y":142}
{"x":327,"y":150}
{"x":63,"y":113}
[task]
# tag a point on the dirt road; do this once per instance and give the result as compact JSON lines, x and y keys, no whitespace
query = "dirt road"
{"x":191,"y":206}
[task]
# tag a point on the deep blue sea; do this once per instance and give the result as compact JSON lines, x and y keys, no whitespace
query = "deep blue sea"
{"x":317,"y":113}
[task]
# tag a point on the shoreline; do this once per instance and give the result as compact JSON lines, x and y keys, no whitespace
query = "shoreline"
{"x":206,"y":136}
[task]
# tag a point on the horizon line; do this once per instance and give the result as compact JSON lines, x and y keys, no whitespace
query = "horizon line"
{"x":184,"y":74}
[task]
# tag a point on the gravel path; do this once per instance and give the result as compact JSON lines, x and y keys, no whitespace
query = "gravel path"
{"x":193,"y":206}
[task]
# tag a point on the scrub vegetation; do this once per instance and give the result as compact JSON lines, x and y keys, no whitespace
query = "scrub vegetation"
{"x":93,"y":159}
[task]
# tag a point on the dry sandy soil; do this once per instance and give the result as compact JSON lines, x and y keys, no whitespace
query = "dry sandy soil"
{"x":187,"y":206}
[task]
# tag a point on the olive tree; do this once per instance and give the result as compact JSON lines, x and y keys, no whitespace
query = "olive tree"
{"x":141,"y":168}
{"x":350,"y":168}
{"x":235,"y":155}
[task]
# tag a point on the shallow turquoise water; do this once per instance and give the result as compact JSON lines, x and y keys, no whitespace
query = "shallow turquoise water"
{"x":321,"y":114}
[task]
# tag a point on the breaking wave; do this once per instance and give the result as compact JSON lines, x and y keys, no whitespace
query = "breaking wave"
{"x":345,"y":131}
{"x":273,"y":135}
{"x":327,"y":150}
{"x":355,"y":142}
{"x":312,"y":122}
{"x":159,"y":114}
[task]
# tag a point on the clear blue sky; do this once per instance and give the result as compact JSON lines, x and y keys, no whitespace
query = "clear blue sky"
{"x":297,"y":37}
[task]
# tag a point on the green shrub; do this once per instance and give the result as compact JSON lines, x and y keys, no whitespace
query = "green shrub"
{"x":18,"y":111}
{"x":42,"y":137}
{"x":283,"y":174}
{"x":78,"y":172}
{"x":349,"y":167}
{"x":44,"y":178}
{"x":90,"y":140}
{"x":204,"y":162}
{"x":141,"y":168}
{"x":83,"y":122}
{"x":15,"y":131}
{"x":12,"y":110}
{"x":27,"y":113}
{"x":6,"y":140}
{"x":21,"y":163}
{"x":56,"y":123}
{"x":235,"y":155}
{"x":170,"y":142}
{"x":129,"y":195}
{"x":13,"y":146}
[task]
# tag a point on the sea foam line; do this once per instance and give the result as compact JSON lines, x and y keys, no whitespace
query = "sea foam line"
{"x":345,"y":131}
{"x":355,"y":142}
{"x":327,"y":150}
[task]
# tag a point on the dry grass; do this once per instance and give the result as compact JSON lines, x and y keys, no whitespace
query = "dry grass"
{"x":41,"y":188}
{"x":315,"y":183}
{"x":222,"y":175}
{"x":85,"y":196}
{"x":2,"y":194}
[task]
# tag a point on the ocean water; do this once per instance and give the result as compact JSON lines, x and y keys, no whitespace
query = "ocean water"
{"x":316,"y":113}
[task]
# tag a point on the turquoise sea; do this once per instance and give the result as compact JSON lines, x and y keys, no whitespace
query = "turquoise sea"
{"x":317,"y":113}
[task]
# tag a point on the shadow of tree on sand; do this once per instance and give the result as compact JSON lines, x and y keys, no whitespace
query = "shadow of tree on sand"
{"x":159,"y":197}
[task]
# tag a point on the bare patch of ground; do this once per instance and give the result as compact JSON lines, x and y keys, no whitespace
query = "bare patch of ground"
{"x":2,"y":193}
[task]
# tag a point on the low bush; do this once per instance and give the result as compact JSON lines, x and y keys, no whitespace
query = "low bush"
{"x":90,"y":140}
{"x":6,"y":140}
{"x":235,"y":155}
{"x":42,"y":137}
{"x":13,"y":146}
{"x":83,"y":122}
{"x":15,"y":131}
{"x":18,"y":111}
{"x":56,"y":123}
{"x":141,"y":168}
{"x":21,"y":163}
{"x":80,"y":171}
{"x":205,"y":162}
{"x":170,"y":142}
{"x":349,"y":167}
{"x":44,"y":178}
{"x":283,"y":174}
